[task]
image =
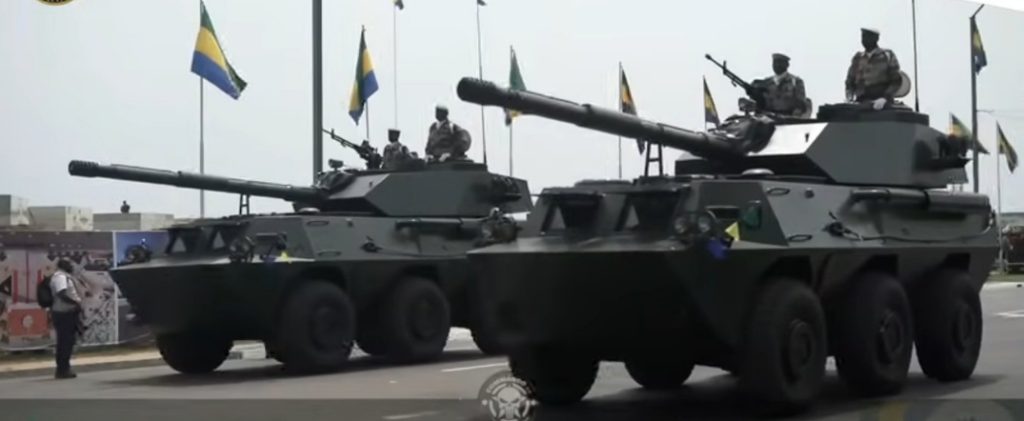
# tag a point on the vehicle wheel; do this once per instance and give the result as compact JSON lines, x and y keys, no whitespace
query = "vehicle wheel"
{"x":553,"y":377}
{"x":655,"y":375}
{"x":193,"y":353}
{"x":317,"y":327}
{"x":784,"y":349}
{"x":947,"y":316}
{"x":874,"y":335}
{"x":416,"y":322}
{"x":370,"y":335}
{"x":482,"y":324}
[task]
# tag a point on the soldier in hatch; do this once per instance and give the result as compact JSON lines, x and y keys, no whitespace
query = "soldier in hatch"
{"x":874,"y":74}
{"x":784,"y":91}
{"x":446,"y":139}
{"x":395,"y":153}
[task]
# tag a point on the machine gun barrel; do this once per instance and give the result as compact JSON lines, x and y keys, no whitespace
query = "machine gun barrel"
{"x":195,"y":181}
{"x":701,"y":144}
{"x":366,"y":152}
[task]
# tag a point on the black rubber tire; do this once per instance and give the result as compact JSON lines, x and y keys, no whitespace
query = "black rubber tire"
{"x":659,"y":375}
{"x":775,"y":380}
{"x":486,"y":341}
{"x":370,"y":336}
{"x":193,"y":353}
{"x":874,"y":335}
{"x":482,"y":324}
{"x":554,"y":377}
{"x":949,"y":327}
{"x":316,"y":328}
{"x":415,"y":322}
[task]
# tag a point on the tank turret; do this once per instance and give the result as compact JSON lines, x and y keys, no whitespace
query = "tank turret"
{"x":846,"y":144}
{"x":448,"y":189}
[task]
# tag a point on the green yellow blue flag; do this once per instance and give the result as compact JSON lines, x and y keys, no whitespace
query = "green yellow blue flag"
{"x":515,"y":81}
{"x":710,"y":111}
{"x":1006,"y":148}
{"x":977,"y":49}
{"x":626,"y":103}
{"x":209,"y":61}
{"x":365,"y":83}
{"x":958,"y":130}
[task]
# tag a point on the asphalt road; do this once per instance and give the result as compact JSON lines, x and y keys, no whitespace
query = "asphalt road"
{"x":448,"y":389}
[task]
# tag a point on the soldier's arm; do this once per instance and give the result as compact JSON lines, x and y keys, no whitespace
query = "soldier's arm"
{"x":895,"y":80}
{"x":850,"y":75}
{"x":800,"y":96}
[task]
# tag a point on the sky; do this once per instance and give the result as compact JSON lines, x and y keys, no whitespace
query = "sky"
{"x":110,"y":81}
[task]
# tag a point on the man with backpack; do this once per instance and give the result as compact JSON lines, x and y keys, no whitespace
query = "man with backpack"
{"x":60,"y":295}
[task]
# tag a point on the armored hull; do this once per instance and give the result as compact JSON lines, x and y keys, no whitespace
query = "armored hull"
{"x":374,"y":258}
{"x":778,"y":242}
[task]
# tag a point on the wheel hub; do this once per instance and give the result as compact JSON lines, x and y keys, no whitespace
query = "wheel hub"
{"x":800,"y":348}
{"x":890,"y":337}
{"x":964,"y":327}
{"x":327,"y":327}
{"x":423,"y":319}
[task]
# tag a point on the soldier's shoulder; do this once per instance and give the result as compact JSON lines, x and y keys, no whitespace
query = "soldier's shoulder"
{"x":796,"y":78}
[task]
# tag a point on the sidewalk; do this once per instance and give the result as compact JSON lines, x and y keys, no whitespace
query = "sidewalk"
{"x":107,"y":359}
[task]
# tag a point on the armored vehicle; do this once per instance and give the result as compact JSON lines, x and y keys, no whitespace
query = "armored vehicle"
{"x":371,"y":257}
{"x":776,"y":244}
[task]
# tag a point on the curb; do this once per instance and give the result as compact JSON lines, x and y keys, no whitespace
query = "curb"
{"x":86,"y":368}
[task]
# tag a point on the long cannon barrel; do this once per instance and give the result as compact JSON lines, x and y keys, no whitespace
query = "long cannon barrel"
{"x":195,"y":181}
{"x":589,"y":116}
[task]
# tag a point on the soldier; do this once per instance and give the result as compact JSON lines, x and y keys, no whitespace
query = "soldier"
{"x":446,"y":140}
{"x":784,"y":91}
{"x":874,"y":74}
{"x":395,"y":153}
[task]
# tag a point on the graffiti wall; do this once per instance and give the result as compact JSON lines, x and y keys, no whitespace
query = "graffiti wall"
{"x":28,"y":257}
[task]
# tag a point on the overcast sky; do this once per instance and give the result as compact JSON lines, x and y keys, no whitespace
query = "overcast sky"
{"x":109,"y":80}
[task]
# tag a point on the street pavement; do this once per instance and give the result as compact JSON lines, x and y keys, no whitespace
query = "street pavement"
{"x":257,"y":388}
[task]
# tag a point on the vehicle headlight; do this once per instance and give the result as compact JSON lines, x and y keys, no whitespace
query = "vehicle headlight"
{"x":692,"y":225}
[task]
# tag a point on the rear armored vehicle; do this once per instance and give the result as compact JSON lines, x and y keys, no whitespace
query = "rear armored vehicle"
{"x":777,"y":243}
{"x":371,"y":257}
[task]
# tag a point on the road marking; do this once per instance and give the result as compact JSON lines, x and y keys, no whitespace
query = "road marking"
{"x":1001,"y":285}
{"x":409,"y":416}
{"x":473,"y":367}
{"x":1015,"y":314}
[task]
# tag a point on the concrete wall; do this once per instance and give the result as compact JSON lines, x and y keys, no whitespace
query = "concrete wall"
{"x":61,"y":218}
{"x":14,"y":211}
{"x":132,"y":221}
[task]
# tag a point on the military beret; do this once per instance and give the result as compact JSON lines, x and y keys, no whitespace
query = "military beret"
{"x":394,"y":131}
{"x":441,"y":107}
{"x":870,"y":31}
{"x":780,"y":56}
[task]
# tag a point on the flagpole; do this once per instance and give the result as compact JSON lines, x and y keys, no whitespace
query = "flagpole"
{"x":510,"y":124}
{"x":480,"y":63}
{"x":202,"y":152}
{"x":367,"y":105}
{"x":619,"y":100}
{"x":394,"y":59}
{"x":974,"y":103}
{"x":318,"y":92}
{"x":999,"y":206}
{"x":913,"y":12}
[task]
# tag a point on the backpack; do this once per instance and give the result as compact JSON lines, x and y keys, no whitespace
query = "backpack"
{"x":44,"y":294}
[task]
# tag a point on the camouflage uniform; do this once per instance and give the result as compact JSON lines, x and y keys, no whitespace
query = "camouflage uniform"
{"x":395,"y":154}
{"x":873,"y":74}
{"x":447,"y":137}
{"x":784,"y":94}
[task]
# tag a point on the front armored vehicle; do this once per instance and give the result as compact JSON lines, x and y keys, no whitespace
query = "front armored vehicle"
{"x":777,"y":243}
{"x":371,"y":257}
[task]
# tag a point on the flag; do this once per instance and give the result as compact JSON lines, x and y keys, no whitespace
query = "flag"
{"x":399,"y":4}
{"x":515,"y":81}
{"x":977,"y":49}
{"x":481,"y":2}
{"x":365,"y":83}
{"x":626,"y":103}
{"x":957,"y":129}
{"x":710,"y":111}
{"x":1006,"y":148}
{"x":209,"y":61}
